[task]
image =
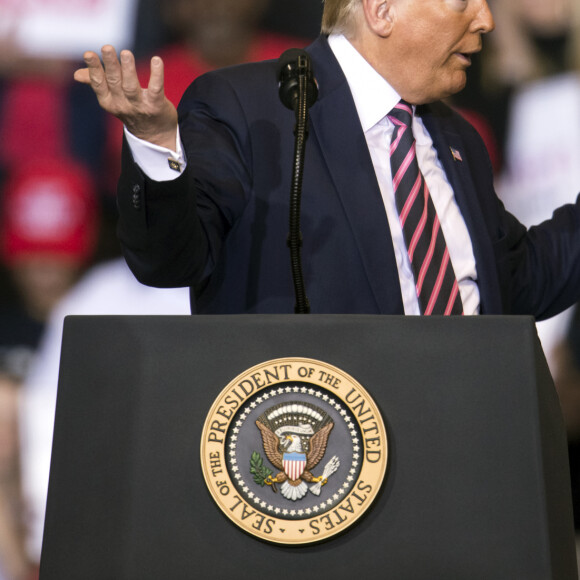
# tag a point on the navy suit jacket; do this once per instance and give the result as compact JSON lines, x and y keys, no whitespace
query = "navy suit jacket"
{"x":221,"y":226}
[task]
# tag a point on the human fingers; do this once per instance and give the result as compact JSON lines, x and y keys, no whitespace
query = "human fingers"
{"x":82,"y":76}
{"x":156,"y":80}
{"x":113,"y":72}
{"x":93,"y":74}
{"x":130,"y":80}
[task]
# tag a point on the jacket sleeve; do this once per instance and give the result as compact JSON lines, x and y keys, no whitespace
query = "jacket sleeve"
{"x":544,"y":263}
{"x":538,"y":268}
{"x":171,"y":232}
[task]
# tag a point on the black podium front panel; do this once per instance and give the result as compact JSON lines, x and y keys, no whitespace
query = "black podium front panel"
{"x":477,"y":484}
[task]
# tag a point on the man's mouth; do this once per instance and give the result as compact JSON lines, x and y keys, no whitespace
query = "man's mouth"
{"x":465,"y":57}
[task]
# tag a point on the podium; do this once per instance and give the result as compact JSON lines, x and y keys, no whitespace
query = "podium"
{"x":476,"y":486}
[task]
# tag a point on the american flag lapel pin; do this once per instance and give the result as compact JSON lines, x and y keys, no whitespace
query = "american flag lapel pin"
{"x":455,"y":154}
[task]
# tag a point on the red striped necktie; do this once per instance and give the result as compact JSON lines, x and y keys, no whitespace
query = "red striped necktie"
{"x":435,"y":280}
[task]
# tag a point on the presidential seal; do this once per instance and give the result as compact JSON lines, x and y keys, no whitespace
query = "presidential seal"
{"x":294,"y":451}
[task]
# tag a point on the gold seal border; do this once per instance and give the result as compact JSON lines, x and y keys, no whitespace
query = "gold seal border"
{"x":309,"y":529}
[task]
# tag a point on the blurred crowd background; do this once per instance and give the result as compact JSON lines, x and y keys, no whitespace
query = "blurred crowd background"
{"x":59,"y":161}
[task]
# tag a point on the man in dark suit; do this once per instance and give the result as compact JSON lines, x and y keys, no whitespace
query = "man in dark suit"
{"x":205,"y":204}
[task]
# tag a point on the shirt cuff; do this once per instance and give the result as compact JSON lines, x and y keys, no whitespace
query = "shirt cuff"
{"x":158,"y":163}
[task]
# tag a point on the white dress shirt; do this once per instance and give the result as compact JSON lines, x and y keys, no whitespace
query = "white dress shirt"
{"x":374,"y":98}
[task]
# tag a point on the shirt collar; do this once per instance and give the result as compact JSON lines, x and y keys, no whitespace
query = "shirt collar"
{"x":373,"y":96}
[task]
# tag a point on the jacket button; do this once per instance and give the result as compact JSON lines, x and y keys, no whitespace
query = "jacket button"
{"x":136,"y":198}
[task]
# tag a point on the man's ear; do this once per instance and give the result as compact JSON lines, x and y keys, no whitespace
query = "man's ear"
{"x":379,"y":16}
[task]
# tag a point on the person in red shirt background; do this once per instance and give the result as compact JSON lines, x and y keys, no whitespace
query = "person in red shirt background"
{"x":206,"y":34}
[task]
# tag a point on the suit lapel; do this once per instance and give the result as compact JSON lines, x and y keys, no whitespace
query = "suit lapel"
{"x":336,"y":127}
{"x":335,"y":124}
{"x":455,"y":159}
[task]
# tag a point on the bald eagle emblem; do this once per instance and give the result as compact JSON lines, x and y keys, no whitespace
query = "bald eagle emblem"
{"x":295,"y":437}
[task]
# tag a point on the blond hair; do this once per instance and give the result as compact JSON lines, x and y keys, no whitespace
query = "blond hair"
{"x":339,"y":16}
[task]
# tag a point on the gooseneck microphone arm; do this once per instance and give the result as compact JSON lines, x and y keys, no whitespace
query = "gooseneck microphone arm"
{"x":298,"y":91}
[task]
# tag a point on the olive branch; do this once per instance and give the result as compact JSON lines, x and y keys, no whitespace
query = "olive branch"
{"x":258,"y":469}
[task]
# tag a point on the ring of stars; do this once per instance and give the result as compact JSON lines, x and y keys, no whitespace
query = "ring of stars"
{"x":324,"y":505}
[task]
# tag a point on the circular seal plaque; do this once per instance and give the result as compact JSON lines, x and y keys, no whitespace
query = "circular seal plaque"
{"x":294,"y":451}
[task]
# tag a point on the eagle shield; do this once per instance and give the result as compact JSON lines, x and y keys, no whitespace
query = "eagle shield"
{"x":294,"y":464}
{"x":295,"y":436}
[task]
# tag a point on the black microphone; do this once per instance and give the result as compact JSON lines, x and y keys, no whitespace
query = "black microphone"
{"x":293,"y":64}
{"x":298,"y":91}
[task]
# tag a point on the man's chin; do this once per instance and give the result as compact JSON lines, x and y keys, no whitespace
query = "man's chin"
{"x":457,"y":86}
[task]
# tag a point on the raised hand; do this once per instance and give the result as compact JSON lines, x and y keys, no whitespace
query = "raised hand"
{"x":146,"y":112}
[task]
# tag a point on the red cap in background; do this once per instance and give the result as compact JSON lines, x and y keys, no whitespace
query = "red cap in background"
{"x":48,"y":208}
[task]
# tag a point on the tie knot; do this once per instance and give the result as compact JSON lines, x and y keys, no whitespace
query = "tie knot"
{"x":402,"y":113}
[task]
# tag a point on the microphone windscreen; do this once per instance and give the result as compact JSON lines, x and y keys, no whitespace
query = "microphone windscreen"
{"x":291,"y":64}
{"x":289,"y":57}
